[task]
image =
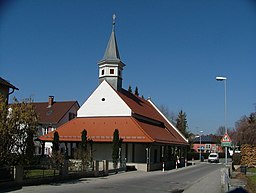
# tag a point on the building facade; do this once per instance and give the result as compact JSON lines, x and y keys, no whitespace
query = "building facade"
{"x":207,"y":144}
{"x":148,"y":137}
{"x":52,"y":114}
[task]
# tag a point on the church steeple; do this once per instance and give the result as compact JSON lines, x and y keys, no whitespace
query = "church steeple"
{"x":111,"y":66}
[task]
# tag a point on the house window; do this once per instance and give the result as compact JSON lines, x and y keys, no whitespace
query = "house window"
{"x":207,"y":146}
{"x":102,"y":72}
{"x":112,"y":71}
{"x":71,"y":116}
{"x":49,"y":129}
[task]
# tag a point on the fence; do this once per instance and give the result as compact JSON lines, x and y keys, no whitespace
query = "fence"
{"x":39,"y":174}
{"x":40,"y":171}
{"x":7,"y":173}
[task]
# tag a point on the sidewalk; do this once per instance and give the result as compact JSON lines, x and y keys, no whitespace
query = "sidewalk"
{"x":217,"y":181}
{"x":210,"y":184}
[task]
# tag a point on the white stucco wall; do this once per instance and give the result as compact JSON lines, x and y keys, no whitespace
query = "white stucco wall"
{"x":104,"y":101}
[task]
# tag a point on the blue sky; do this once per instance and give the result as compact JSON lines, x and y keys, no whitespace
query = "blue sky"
{"x":173,"y":50}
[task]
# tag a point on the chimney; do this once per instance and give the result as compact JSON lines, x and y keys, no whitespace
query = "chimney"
{"x":50,"y":101}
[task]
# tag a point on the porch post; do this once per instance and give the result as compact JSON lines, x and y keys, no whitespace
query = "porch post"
{"x":133,"y":152}
{"x":148,"y":158}
{"x":126,"y":152}
{"x":43,"y":147}
{"x":186,"y":156}
{"x":72,"y":150}
{"x":66,"y":149}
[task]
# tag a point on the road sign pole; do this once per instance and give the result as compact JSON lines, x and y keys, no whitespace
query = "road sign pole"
{"x":226,"y":142}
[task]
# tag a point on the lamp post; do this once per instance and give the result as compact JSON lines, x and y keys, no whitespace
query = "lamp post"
{"x":200,"y":153}
{"x":222,"y":78}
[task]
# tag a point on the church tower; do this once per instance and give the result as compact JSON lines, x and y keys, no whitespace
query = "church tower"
{"x":111,"y":66}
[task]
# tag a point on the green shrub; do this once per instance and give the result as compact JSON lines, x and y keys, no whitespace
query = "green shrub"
{"x":237,"y":158}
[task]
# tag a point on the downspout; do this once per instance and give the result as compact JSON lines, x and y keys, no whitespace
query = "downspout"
{"x":8,"y":94}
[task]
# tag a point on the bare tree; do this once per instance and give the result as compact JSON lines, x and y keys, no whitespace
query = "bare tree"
{"x":245,"y":130}
{"x":220,"y":131}
{"x":17,"y":128}
{"x":169,"y":115}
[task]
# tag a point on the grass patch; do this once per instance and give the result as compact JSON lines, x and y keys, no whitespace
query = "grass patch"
{"x":251,"y":183}
{"x":40,"y":173}
{"x":253,"y":170}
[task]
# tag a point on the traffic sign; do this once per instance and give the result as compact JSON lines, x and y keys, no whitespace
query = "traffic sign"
{"x":226,"y":138}
{"x":226,"y":141}
{"x":226,"y":144}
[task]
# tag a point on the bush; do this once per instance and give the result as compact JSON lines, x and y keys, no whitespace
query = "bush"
{"x":237,"y":158}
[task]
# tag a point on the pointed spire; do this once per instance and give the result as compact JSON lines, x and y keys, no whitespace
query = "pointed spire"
{"x":111,"y":52}
{"x":111,"y":66}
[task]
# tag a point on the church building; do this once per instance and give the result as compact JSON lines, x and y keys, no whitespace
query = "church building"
{"x":148,"y":137}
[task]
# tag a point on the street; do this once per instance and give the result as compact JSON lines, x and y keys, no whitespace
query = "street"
{"x":137,"y":181}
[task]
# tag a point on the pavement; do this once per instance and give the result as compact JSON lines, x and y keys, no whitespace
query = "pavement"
{"x":218,"y":181}
{"x":209,"y":184}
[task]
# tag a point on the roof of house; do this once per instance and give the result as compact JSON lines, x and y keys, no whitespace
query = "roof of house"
{"x":101,"y":129}
{"x":54,"y":113}
{"x":145,"y":126}
{"x":145,"y":108}
{"x":6,"y":83}
{"x":205,"y":139}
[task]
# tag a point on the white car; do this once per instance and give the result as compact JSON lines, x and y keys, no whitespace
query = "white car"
{"x":213,"y":158}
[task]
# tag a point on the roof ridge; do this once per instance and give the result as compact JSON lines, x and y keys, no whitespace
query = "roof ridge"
{"x":57,"y":102}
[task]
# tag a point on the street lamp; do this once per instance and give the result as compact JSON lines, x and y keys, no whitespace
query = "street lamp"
{"x":222,"y":78}
{"x":200,"y":153}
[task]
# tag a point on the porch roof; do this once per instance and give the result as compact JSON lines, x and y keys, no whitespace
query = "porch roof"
{"x":101,"y":129}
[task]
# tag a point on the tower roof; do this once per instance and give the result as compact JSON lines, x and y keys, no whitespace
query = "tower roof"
{"x":112,"y":52}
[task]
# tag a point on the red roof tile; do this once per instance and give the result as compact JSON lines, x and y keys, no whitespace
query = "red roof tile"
{"x":101,"y":129}
{"x":144,"y":108}
{"x":54,"y":113}
{"x":146,"y":125}
{"x":139,"y":105}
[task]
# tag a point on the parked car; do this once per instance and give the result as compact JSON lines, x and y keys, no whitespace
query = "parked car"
{"x":213,"y":158}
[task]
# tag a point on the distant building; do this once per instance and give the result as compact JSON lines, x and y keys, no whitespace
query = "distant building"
{"x":53,"y":114}
{"x":207,"y":144}
{"x":5,"y":87}
{"x":148,"y":137}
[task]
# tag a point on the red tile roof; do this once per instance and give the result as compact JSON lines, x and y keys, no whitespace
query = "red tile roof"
{"x":101,"y":129}
{"x":146,"y":125}
{"x":139,"y":105}
{"x":54,"y":113}
{"x":144,"y":108}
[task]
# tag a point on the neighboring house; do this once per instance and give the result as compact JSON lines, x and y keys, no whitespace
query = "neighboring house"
{"x":148,"y":137}
{"x":53,"y":114}
{"x":5,"y":87}
{"x":208,"y":144}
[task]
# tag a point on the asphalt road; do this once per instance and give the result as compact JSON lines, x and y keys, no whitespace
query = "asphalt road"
{"x":173,"y":181}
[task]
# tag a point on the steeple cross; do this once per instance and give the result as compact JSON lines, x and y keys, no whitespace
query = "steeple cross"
{"x":114,"y":21}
